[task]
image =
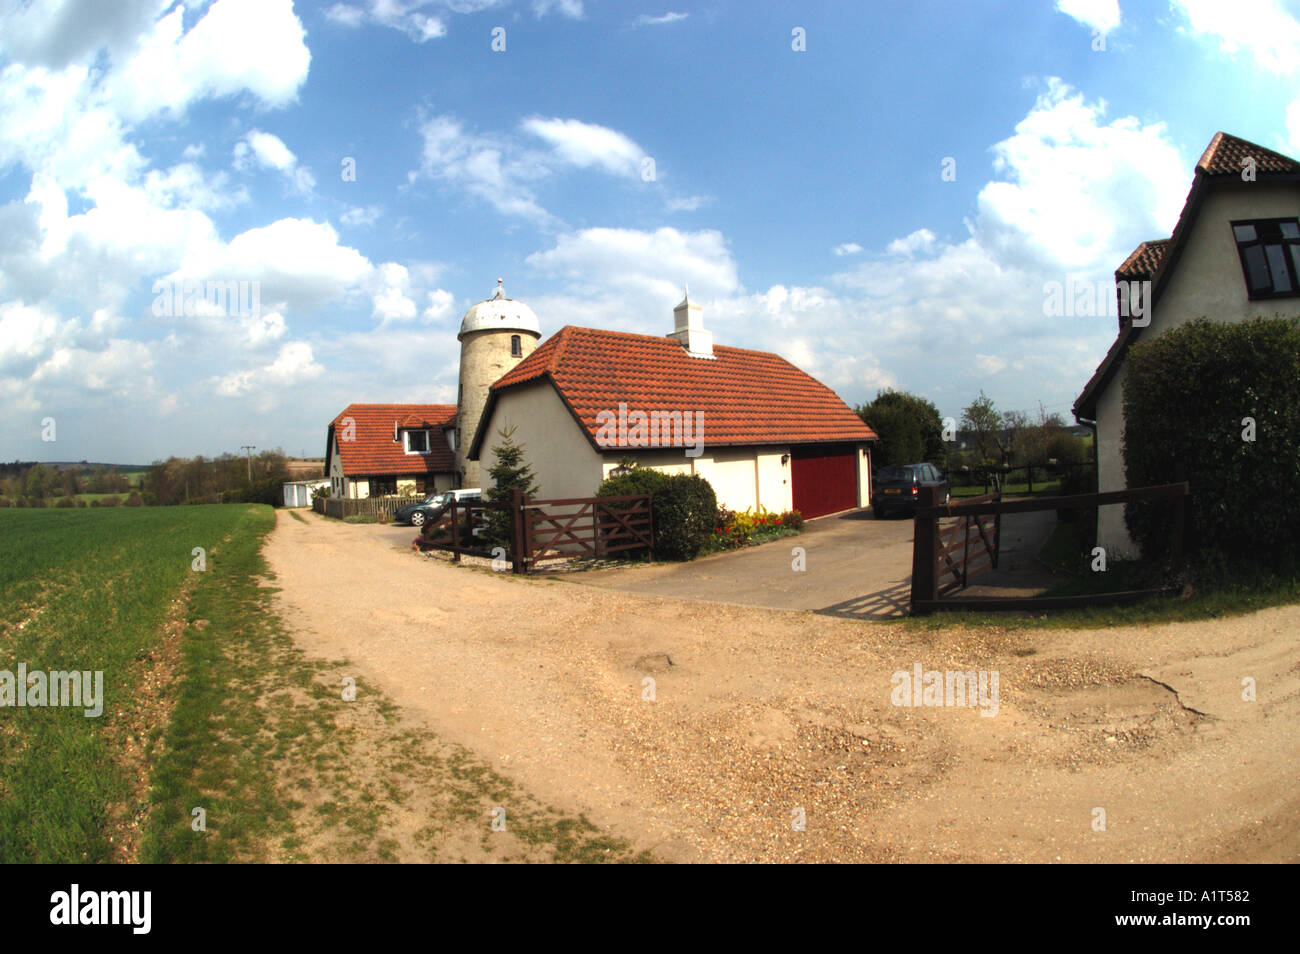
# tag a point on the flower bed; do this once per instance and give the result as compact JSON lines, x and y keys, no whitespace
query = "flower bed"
{"x":746,"y":528}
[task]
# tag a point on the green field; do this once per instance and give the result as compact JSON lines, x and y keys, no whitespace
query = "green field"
{"x":86,"y":590}
{"x":209,"y":704}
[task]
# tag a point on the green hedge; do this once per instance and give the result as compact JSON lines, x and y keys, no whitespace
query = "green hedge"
{"x":1186,"y":394}
{"x":684,"y":509}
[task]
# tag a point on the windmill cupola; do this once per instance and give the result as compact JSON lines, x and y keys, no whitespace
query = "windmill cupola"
{"x":499,"y":313}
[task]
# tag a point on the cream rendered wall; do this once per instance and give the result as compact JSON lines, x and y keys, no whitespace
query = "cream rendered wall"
{"x":1208,"y":283}
{"x":335,"y":466}
{"x":742,"y":477}
{"x":563,"y":460}
{"x":864,"y":475}
{"x":775,"y":492}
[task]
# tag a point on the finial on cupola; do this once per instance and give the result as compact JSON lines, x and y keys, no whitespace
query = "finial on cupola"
{"x":501,"y":292}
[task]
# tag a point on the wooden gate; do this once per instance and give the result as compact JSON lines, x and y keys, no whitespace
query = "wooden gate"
{"x":935,"y":571}
{"x":545,"y":529}
{"x":586,"y":526}
{"x":968,"y":547}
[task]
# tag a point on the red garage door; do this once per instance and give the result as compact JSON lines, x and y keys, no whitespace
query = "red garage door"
{"x":825,"y":478}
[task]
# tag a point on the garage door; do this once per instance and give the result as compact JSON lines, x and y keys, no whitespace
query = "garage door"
{"x":825,"y":478}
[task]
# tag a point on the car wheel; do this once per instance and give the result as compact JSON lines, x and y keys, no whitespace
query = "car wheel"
{"x":417,"y":519}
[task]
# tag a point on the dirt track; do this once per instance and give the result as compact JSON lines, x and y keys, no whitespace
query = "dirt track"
{"x":762,"y":712}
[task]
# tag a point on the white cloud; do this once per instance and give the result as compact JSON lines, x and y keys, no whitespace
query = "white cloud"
{"x":568,"y":8}
{"x":1262,"y":28}
{"x":586,"y":144}
{"x":442,"y":305}
{"x":848,"y":248}
{"x":1293,"y":128}
{"x":1076,"y":188}
{"x":606,"y":262}
{"x":238,"y":45}
{"x":391,"y":295}
{"x":360,"y":216}
{"x":503,"y":171}
{"x":1100,"y":15}
{"x":922,"y":240}
{"x":687,"y":203}
{"x":646,"y":19}
{"x":58,"y":33}
{"x":293,"y":365}
{"x":270,"y":152}
{"x":297,"y":261}
{"x":396,"y":14}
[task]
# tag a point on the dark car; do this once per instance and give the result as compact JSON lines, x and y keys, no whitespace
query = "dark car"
{"x":899,"y":487}
{"x":433,"y":506}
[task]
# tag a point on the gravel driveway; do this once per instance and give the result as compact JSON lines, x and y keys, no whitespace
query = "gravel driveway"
{"x":759,"y":718}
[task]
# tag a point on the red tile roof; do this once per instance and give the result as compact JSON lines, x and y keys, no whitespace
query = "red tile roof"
{"x":1144,"y":260}
{"x":1223,"y":156}
{"x":747,"y":397}
{"x":374,"y":452}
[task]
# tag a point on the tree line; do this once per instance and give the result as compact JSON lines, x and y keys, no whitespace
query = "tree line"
{"x":912,"y":431}
{"x":228,"y":478}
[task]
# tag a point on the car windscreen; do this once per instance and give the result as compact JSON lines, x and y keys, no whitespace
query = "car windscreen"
{"x":896,"y":473}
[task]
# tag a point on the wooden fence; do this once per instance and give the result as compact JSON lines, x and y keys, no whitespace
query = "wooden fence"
{"x":346,"y":507}
{"x":933,"y":563}
{"x":545,"y":529}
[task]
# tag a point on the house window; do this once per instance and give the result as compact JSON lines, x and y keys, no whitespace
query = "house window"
{"x":417,"y":442}
{"x":1270,"y":256}
{"x":516,"y":346}
{"x":383,"y":486}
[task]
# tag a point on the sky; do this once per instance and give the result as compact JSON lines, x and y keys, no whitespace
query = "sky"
{"x":881,"y":192}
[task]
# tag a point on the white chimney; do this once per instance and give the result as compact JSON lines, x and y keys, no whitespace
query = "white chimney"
{"x":688,"y":328}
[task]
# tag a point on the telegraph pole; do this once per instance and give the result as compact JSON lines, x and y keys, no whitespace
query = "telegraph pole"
{"x":249,"y":448}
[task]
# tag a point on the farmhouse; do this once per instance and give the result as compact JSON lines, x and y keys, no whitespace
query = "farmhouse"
{"x":762,"y":432}
{"x":1234,"y":255}
{"x":373,"y":450}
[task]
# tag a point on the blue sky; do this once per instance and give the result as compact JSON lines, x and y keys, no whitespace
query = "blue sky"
{"x":798,"y":192}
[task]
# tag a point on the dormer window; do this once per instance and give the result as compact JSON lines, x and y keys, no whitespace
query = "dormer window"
{"x":417,"y":442}
{"x":1270,"y":256}
{"x":516,"y":346}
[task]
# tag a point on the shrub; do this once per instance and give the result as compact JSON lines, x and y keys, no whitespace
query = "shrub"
{"x":81,"y":502}
{"x":133,"y":500}
{"x":684,"y":508}
{"x":509,"y":473}
{"x":4,"y":502}
{"x":111,"y":500}
{"x":1187,"y":395}
{"x":65,"y":502}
